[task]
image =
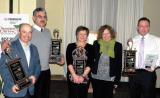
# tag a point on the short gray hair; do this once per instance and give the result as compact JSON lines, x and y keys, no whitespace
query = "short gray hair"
{"x":39,"y":9}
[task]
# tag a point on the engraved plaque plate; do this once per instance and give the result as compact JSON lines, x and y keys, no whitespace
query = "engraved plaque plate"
{"x":79,"y":67}
{"x":55,"y":54}
{"x":150,"y":60}
{"x":129,"y":62}
{"x":18,"y":74}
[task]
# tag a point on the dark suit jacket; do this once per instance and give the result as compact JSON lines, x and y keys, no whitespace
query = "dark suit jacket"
{"x":32,"y":69}
{"x":115,"y":63}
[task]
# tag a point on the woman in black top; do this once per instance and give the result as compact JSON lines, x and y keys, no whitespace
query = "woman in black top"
{"x":106,"y":71}
{"x":79,"y":60}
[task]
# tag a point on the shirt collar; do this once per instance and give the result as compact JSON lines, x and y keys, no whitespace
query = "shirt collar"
{"x":24,"y":44}
{"x":145,"y":37}
{"x":37,"y":27}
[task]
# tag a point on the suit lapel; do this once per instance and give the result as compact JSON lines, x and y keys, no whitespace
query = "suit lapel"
{"x":31,"y":57}
{"x":22,"y":55}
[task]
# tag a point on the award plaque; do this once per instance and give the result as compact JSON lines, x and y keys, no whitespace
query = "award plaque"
{"x":79,"y":62}
{"x":79,"y":67}
{"x":150,"y":60}
{"x":17,"y":72}
{"x":55,"y":54}
{"x":129,"y":60}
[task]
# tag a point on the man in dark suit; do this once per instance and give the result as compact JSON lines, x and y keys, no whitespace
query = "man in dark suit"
{"x":29,"y":58}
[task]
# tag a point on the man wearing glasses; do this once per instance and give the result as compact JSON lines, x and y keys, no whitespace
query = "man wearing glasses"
{"x":42,"y":39}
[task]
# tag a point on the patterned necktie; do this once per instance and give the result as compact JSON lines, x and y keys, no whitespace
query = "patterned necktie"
{"x":141,"y":54}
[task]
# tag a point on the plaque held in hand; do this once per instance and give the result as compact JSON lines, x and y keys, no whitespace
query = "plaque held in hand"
{"x":19,"y":76}
{"x":80,"y":62}
{"x":55,"y":54}
{"x":79,"y":67}
{"x":129,"y":60}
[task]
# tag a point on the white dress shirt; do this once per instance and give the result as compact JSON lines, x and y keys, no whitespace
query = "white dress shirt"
{"x":151,"y":48}
{"x":37,"y":27}
{"x":26,"y":49}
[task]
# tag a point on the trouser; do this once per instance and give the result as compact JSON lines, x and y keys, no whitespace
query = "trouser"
{"x":77,"y":90}
{"x":142,"y":84}
{"x":42,"y":86}
{"x":102,"y":89}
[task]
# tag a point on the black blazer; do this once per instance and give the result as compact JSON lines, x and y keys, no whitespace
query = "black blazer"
{"x":115,"y":63}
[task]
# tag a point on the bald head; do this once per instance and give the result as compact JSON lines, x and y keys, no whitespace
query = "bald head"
{"x":25,"y":32}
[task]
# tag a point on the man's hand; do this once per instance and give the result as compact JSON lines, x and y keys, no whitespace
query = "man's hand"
{"x":5,"y":45}
{"x":61,"y":62}
{"x":15,"y":89}
{"x":33,"y":78}
{"x":150,"y":69}
{"x":114,"y":88}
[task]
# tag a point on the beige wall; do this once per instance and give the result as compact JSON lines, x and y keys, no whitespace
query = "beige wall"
{"x":24,"y":7}
{"x":151,"y":10}
{"x":4,"y":6}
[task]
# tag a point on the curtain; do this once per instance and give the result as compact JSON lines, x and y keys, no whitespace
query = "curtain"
{"x":76,"y":13}
{"x":129,"y":11}
{"x":102,"y":12}
{"x":90,"y":13}
{"x":122,"y":15}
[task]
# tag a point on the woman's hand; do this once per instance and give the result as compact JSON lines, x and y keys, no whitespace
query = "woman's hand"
{"x":75,"y":78}
{"x":81,"y":79}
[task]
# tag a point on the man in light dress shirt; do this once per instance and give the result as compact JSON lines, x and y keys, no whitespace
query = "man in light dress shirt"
{"x":147,"y":60}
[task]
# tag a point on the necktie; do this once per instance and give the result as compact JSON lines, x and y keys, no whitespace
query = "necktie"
{"x":141,"y":54}
{"x":41,"y":30}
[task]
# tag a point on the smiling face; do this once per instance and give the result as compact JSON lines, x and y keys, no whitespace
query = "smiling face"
{"x":25,"y":33}
{"x":106,"y":35}
{"x":40,"y":19}
{"x":82,"y":36}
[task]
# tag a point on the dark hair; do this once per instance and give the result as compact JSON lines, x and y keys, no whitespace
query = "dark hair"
{"x":144,"y":19}
{"x":104,"y":27}
{"x":39,"y":9}
{"x":82,"y":28}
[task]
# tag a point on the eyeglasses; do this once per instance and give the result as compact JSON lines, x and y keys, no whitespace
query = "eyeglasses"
{"x":41,"y":17}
